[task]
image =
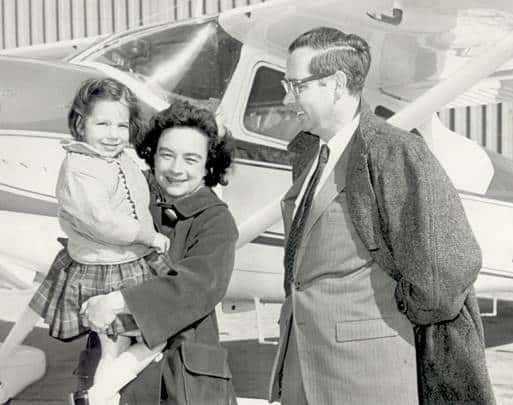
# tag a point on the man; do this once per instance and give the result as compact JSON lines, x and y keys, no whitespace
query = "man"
{"x":379,"y":260}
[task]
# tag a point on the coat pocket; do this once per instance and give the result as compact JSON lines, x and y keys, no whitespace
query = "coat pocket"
{"x":366,"y":329}
{"x":206,"y":376}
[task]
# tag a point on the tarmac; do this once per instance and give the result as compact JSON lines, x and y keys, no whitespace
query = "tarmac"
{"x":250,"y":361}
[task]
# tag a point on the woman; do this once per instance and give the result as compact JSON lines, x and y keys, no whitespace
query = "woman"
{"x":187,"y":158}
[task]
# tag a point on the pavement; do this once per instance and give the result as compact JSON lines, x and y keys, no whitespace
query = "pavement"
{"x":250,"y":361}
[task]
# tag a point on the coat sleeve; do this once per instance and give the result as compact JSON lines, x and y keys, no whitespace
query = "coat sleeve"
{"x":166,"y":305}
{"x":425,"y":227}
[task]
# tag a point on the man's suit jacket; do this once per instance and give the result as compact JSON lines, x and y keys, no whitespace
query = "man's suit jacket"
{"x":348,"y":329}
{"x":410,"y":220}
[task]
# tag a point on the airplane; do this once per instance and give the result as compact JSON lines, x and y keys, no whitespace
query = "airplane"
{"x":426,"y":56}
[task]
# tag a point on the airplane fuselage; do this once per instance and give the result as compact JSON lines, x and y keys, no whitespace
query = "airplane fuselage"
{"x":245,"y":81}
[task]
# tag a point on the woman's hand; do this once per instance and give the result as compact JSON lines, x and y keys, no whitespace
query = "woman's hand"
{"x":100,"y":311}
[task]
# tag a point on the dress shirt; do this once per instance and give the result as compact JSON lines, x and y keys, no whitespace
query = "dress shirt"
{"x":337,"y":145}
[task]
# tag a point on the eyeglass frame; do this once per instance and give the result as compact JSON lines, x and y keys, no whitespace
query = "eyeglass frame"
{"x":292,"y":85}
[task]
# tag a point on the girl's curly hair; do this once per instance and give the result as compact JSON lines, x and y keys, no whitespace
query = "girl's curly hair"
{"x":183,"y":114}
{"x":94,"y":90}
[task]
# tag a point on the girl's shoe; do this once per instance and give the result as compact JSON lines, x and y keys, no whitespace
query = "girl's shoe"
{"x":82,"y":397}
{"x":78,"y":398}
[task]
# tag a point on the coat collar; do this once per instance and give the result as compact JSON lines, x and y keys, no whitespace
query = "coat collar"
{"x":289,"y":199}
{"x":367,"y":129}
{"x":184,"y":207}
{"x":360,"y":193}
{"x":293,"y":192}
{"x":196,"y":202}
{"x":85,"y":149}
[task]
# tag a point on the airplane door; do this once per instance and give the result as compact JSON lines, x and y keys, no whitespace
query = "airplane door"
{"x":263,"y":126}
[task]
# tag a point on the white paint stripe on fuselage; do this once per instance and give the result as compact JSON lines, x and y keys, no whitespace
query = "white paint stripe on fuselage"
{"x":35,"y":134}
{"x":253,"y":401}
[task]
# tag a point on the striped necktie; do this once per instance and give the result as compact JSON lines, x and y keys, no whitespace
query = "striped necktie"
{"x":299,"y":221}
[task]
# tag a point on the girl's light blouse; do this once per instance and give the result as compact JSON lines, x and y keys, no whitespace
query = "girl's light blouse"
{"x":103,"y":206}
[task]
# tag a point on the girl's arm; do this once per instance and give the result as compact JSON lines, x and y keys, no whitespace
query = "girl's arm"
{"x":199,"y":284}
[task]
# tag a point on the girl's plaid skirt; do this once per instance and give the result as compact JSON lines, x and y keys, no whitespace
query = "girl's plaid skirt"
{"x":69,"y":284}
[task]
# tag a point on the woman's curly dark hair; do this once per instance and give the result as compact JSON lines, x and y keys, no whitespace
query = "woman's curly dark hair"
{"x":183,"y":114}
{"x":94,"y":90}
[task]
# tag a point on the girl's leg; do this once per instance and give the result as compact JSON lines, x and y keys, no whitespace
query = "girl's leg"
{"x":101,"y":392}
{"x":110,"y":350}
{"x":19,"y":331}
{"x":118,"y":372}
{"x":137,"y":357}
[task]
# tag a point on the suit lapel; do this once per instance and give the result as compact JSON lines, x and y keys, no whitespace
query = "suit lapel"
{"x":289,"y":200}
{"x":334,"y":185}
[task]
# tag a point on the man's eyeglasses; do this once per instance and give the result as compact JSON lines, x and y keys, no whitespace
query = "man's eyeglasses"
{"x":294,"y":86}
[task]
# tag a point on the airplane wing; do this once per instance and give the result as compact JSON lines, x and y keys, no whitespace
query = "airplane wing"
{"x":425,"y":57}
{"x":497,"y":88}
{"x":54,"y":50}
{"x":413,"y":52}
{"x":427,"y":44}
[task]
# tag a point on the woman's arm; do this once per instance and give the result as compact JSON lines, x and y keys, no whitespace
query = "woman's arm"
{"x":164,"y":306}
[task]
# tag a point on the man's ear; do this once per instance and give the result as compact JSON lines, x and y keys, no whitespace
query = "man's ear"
{"x":340,"y":84}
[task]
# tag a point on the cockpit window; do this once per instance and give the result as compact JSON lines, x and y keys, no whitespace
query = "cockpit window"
{"x":193,"y":60}
{"x":265,"y":112}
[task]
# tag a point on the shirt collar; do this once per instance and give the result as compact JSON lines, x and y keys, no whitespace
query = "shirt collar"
{"x":338,"y":143}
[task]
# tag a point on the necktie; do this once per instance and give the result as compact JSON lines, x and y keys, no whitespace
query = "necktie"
{"x":299,"y":221}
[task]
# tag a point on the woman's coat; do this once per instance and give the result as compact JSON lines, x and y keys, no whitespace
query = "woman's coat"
{"x":180,"y":307}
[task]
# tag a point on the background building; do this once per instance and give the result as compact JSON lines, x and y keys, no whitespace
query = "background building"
{"x":32,"y":22}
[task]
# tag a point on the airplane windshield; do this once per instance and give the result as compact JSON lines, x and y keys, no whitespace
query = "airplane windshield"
{"x":193,"y":60}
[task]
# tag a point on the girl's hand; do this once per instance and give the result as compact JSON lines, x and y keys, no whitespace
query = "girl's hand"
{"x":161,"y":243}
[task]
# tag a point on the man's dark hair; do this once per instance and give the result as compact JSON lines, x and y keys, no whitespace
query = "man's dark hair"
{"x":348,"y":53}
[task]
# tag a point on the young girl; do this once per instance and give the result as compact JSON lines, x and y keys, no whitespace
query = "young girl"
{"x":103,"y":209}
